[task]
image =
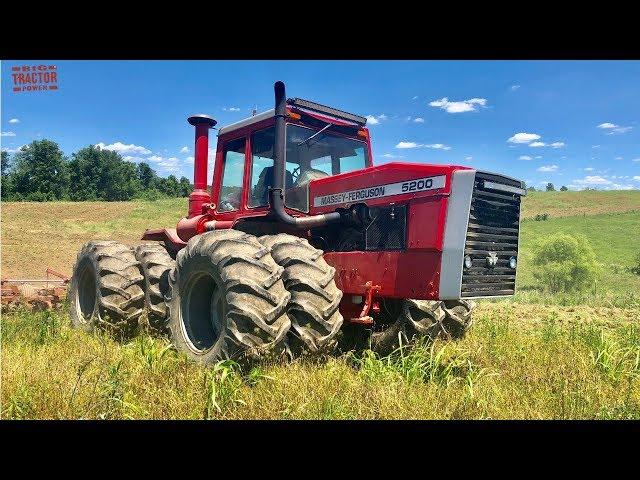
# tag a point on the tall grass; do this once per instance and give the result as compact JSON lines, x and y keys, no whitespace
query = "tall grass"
{"x":519,"y":361}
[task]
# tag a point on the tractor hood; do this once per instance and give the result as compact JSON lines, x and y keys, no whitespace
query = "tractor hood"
{"x":380,"y":185}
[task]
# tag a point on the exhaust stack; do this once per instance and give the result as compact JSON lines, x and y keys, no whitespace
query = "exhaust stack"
{"x":276,"y":192}
{"x":199,"y":196}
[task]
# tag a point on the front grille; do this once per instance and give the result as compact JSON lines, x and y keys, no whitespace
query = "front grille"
{"x":493,"y":229}
{"x":387,"y":230}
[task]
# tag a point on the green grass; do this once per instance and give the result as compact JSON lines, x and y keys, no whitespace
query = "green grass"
{"x":537,"y":363}
{"x":614,"y":238}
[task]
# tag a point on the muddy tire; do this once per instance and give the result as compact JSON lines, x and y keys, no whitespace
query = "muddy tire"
{"x":406,"y":321}
{"x":458,"y":317}
{"x":156,"y":263}
{"x":315,"y":298}
{"x":107,"y":286}
{"x":226,"y":299}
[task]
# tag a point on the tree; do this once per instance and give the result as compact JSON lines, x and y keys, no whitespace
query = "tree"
{"x":146,"y":175}
{"x":550,"y":187}
{"x":563,"y":188}
{"x":531,"y":189}
{"x":6,"y":185}
{"x":5,"y":163}
{"x":102,"y":175}
{"x":185,"y":187}
{"x":40,"y":172}
{"x":169,"y":186}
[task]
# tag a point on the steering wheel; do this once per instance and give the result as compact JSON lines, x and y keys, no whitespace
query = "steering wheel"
{"x":295,"y":174}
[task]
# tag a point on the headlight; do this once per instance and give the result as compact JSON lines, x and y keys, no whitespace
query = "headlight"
{"x":513,"y":263}
{"x":467,"y":261}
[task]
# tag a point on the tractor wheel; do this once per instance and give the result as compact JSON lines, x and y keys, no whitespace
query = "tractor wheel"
{"x":156,"y":264}
{"x":407,"y":320}
{"x":410,"y":319}
{"x":107,"y":286}
{"x":313,"y":309}
{"x":226,"y":299}
{"x":458,"y":317}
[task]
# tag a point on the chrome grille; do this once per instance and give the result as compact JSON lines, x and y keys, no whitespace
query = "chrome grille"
{"x":493,"y":229}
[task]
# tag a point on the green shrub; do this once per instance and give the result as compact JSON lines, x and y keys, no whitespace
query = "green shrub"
{"x":542,"y":217}
{"x":564,"y":263}
{"x":636,"y":265}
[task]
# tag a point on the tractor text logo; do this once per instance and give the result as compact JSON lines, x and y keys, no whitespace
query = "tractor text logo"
{"x":34,"y":78}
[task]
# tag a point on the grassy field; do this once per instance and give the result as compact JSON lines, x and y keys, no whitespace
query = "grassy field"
{"x":519,"y":361}
{"x":535,"y":356}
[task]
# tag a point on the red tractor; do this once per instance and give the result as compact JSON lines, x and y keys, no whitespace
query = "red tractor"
{"x":303,"y":244}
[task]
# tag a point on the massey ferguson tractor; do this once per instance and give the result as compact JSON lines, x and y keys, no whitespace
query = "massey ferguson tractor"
{"x":303,"y":245}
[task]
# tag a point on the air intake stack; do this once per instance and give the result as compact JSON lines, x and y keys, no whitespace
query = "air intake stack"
{"x":199,"y":196}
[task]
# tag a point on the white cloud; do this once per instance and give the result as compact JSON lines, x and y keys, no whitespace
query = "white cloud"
{"x":514,"y":87}
{"x":418,"y":120}
{"x":548,"y":168}
{"x":523,"y":138}
{"x":13,"y":150}
{"x":438,"y":146}
{"x":155,"y":158}
{"x":415,"y":97}
{"x":373,"y":120}
{"x":408,"y":145}
{"x":618,"y":158}
{"x":595,"y":146}
{"x":458,"y":107}
{"x":619,"y":130}
{"x":169,"y":164}
{"x":184,"y":150}
{"x":468,"y":158}
{"x":14,"y":120}
{"x":636,"y":178}
{"x":134,"y":159}
{"x":556,"y":144}
{"x":524,"y":157}
{"x":590,"y":180}
{"x":189,"y":160}
{"x":122,"y":148}
{"x":537,"y":144}
{"x":613,"y":128}
{"x":7,"y":134}
{"x":231,"y":109}
{"x":538,"y":157}
{"x":589,"y":169}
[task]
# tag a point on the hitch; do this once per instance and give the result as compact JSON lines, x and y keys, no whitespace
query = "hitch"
{"x":364,"y":318}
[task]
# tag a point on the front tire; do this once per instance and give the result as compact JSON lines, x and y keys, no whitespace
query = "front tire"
{"x":106,"y":286}
{"x":226,"y":299}
{"x":315,"y":298}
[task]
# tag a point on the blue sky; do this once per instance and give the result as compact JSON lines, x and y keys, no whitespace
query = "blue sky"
{"x":573,"y":123}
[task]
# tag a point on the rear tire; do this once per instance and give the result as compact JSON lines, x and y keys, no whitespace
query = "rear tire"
{"x":315,"y":298}
{"x":226,"y":299}
{"x":156,"y":264}
{"x":107,"y":283}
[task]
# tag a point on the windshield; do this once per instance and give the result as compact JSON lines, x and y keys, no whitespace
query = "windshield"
{"x":322,"y":155}
{"x":307,"y":158}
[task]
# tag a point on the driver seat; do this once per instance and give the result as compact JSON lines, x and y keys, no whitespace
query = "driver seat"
{"x":265,"y":180}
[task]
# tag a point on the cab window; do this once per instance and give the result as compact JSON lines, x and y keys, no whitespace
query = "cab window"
{"x":231,"y":190}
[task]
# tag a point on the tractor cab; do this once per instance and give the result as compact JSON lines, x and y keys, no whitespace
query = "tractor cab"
{"x":320,"y":142}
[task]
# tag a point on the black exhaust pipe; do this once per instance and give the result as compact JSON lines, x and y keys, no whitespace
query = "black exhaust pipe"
{"x":276,"y":192}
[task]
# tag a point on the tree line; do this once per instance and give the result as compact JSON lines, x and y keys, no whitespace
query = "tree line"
{"x":41,"y":172}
